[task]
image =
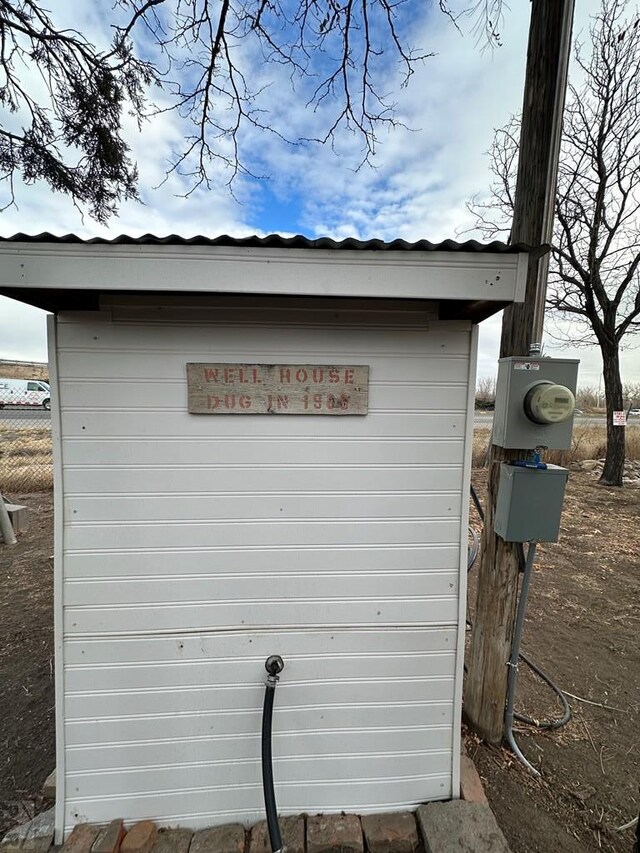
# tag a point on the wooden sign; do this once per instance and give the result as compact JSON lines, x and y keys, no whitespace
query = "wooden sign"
{"x":278,"y":389}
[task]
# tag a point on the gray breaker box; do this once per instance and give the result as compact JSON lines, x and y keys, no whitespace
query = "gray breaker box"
{"x":529,"y":503}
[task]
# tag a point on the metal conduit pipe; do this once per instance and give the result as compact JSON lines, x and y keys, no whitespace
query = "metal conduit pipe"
{"x":274,"y":665}
{"x":513,"y":660}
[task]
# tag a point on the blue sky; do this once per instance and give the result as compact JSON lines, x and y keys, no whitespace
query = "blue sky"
{"x":423,"y":175}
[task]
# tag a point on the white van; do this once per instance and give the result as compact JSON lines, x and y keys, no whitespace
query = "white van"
{"x":24,"y":392}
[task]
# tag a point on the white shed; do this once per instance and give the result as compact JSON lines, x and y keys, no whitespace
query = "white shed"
{"x":189,"y":547}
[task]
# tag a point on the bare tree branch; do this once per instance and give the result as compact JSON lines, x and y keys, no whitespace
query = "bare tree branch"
{"x":595,"y":270}
{"x":209,"y":58}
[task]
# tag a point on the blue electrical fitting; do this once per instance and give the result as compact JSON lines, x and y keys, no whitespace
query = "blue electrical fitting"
{"x":536,"y":462}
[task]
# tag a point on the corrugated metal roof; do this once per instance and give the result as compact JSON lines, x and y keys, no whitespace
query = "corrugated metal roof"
{"x":276,"y":241}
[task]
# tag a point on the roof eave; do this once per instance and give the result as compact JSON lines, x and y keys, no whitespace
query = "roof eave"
{"x":73,"y":275}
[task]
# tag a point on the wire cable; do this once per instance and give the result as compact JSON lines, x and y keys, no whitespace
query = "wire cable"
{"x":547,"y":725}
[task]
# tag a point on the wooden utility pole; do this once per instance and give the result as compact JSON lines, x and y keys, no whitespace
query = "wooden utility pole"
{"x":496,"y":600}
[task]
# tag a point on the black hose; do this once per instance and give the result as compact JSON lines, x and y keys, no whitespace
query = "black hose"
{"x":476,"y":502}
{"x":274,"y":664}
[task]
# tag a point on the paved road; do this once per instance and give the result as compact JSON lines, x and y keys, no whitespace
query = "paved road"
{"x":34,"y":414}
{"x":486,"y":419}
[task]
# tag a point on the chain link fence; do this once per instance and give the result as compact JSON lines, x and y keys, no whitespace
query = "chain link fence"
{"x":25,"y":436}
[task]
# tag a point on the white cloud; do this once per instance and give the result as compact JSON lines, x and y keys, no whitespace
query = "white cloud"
{"x":589,"y":372}
{"x":418,"y":189}
{"x":23,"y":333}
{"x":424,"y":176}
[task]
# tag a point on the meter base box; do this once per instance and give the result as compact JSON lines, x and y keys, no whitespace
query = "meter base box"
{"x":529,"y":503}
{"x":511,"y":427}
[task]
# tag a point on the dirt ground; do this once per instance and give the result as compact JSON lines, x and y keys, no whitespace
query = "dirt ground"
{"x":27,"y":740}
{"x":582,"y":628}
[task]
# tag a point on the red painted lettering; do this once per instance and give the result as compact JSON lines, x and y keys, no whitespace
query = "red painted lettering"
{"x":318,"y":375}
{"x":229,"y":375}
{"x":301,"y":375}
{"x":283,"y":401}
{"x":211,"y":374}
{"x":334,"y":375}
{"x":348,"y":376}
{"x":245,"y":401}
{"x":229,"y":401}
{"x":317,"y":401}
{"x":242,"y":377}
{"x":285,"y":374}
{"x":213,"y":402}
{"x":256,"y":381}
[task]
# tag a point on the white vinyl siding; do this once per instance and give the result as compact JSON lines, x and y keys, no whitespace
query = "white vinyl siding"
{"x":194,"y":546}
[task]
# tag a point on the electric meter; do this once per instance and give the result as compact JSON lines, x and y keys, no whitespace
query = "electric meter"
{"x":535,"y":403}
{"x":547,"y":403}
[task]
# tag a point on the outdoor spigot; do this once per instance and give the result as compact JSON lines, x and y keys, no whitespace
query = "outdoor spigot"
{"x":274,"y":665}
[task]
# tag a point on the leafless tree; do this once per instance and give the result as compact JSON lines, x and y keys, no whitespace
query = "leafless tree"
{"x":485,"y":392}
{"x":65,"y":96}
{"x":594,"y":279}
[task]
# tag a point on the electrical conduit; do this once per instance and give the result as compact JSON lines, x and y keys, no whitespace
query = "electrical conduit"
{"x":515,"y":654}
